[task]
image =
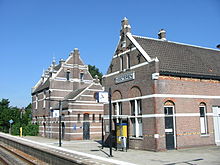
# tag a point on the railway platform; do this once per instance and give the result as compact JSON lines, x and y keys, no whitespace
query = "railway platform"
{"x":92,"y":152}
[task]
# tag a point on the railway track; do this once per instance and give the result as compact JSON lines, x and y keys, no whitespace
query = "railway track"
{"x":12,"y":156}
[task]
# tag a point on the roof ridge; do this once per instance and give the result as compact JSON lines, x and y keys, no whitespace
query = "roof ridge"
{"x":179,"y":43}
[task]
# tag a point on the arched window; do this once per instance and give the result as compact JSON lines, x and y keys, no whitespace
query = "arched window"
{"x":169,"y":103}
{"x":136,"y":112}
{"x":117,"y":106}
{"x":203,"y":118}
{"x":78,"y":117}
{"x":86,"y":117}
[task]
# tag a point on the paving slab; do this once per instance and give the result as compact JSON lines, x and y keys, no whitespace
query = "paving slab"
{"x":192,"y":156}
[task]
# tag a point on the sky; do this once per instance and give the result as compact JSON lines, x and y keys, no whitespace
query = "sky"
{"x":33,"y":32}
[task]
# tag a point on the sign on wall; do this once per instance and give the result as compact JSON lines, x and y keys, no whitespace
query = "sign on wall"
{"x":55,"y":113}
{"x":125,"y":77}
{"x":102,"y":97}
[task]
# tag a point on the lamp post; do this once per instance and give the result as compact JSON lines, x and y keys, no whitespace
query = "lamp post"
{"x":60,"y":115}
{"x":106,"y":97}
{"x":110,"y":121}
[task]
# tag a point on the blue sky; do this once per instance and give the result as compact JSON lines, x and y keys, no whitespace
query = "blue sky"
{"x":32,"y":32}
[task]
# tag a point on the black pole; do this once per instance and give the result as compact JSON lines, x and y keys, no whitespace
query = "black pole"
{"x":102,"y":132}
{"x":110,"y":121}
{"x":60,"y":105}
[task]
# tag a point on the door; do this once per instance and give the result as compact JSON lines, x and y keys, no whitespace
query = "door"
{"x":63,"y":130}
{"x":169,"y":128}
{"x":86,"y":130}
{"x":44,"y":133}
{"x":216,"y":118}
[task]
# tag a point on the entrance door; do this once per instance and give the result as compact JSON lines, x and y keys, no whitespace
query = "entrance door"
{"x":44,"y":134}
{"x":169,"y":128}
{"x":63,"y":130}
{"x":216,"y":118}
{"x":86,"y":131}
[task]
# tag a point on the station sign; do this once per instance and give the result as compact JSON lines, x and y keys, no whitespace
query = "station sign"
{"x":125,"y":77}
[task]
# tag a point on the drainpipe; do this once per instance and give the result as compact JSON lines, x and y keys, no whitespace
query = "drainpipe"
{"x":155,"y":91}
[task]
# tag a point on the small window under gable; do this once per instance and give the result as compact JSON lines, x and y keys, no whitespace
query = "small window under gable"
{"x":68,"y":75}
{"x":121,"y":63}
{"x":44,"y":101}
{"x":36,"y":102}
{"x":81,"y":76}
{"x":128,"y":61}
{"x":139,"y":58}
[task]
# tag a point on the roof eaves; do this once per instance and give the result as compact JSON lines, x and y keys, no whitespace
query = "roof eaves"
{"x":179,"y":43}
{"x":189,"y":75}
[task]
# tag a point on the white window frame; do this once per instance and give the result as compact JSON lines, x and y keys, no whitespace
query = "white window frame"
{"x":36,"y":102}
{"x":137,"y":126}
{"x":118,"y":109}
{"x":203,"y":121}
{"x":81,"y":76}
{"x":121,"y":63}
{"x":174,"y":122}
{"x":128,"y":61}
{"x":44,"y":100}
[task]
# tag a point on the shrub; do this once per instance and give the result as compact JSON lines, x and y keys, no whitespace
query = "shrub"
{"x":31,"y":130}
{"x":28,"y":130}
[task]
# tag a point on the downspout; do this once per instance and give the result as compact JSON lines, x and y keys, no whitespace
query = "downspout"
{"x":155,"y":77}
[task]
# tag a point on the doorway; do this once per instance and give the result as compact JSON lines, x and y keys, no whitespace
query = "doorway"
{"x":169,"y":127}
{"x":216,"y":118}
{"x":86,"y":127}
{"x":63,"y":130}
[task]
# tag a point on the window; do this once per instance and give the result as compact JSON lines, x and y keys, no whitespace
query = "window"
{"x":139,"y":108}
{"x":93,"y":117}
{"x":117,"y":108}
{"x":86,"y":117}
{"x":36,"y":102}
{"x":68,"y":75}
{"x":44,"y":101}
{"x":128,"y":61}
{"x":121,"y":63}
{"x":78,"y":117}
{"x":203,"y":119}
{"x":111,"y":66}
{"x":100,"y":117}
{"x":81,"y":76}
{"x":132,"y":108}
{"x":136,"y":120}
{"x":139,"y":58}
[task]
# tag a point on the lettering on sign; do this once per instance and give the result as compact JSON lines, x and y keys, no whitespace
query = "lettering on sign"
{"x":125,"y":77}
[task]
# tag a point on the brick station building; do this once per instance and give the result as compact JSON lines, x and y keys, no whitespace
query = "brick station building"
{"x":168,"y":93}
{"x":71,"y":81}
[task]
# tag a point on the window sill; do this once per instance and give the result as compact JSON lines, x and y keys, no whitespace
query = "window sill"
{"x":204,"y":135}
{"x":136,"y":138}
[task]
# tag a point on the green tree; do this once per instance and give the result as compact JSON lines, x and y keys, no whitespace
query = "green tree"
{"x":21,"y":118}
{"x":95,"y":71}
{"x":7,"y":113}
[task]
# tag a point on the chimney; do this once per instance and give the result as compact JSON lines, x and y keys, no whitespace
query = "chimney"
{"x":75,"y":54}
{"x":162,"y":35}
{"x":125,"y":27}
